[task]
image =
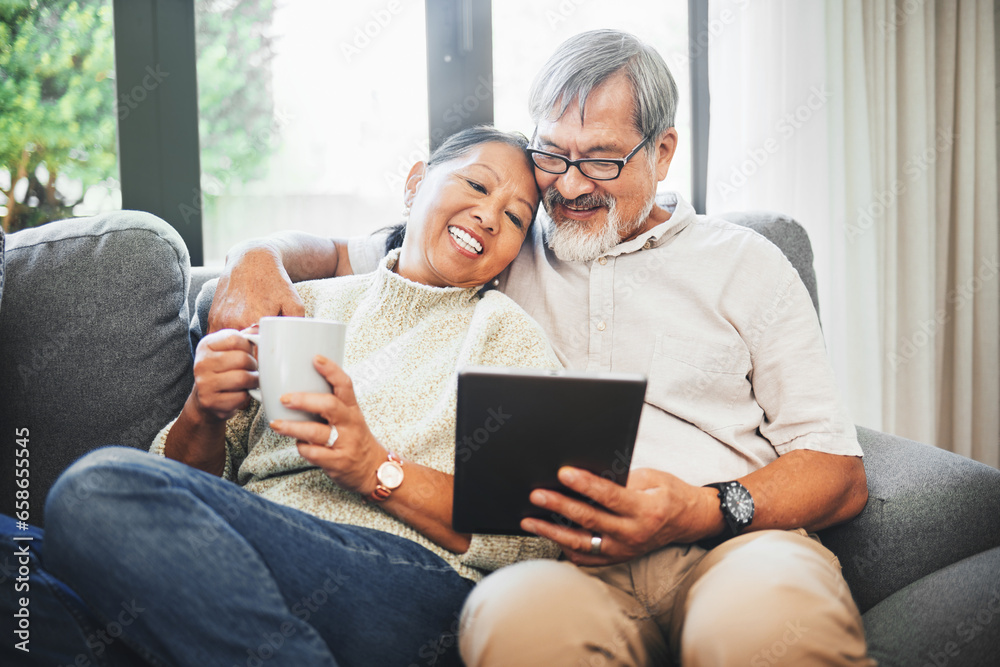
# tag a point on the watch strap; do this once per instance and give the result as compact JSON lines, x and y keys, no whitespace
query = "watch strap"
{"x":733,"y":526}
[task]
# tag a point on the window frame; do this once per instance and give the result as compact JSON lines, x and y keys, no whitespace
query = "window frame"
{"x":158,"y":153}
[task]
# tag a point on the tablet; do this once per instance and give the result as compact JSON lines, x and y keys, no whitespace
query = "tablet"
{"x":516,"y":427}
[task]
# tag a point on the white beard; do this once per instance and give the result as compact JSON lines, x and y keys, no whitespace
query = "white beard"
{"x":573,"y":241}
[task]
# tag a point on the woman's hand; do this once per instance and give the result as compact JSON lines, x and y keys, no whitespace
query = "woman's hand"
{"x":224,"y":368}
{"x":354,"y":456}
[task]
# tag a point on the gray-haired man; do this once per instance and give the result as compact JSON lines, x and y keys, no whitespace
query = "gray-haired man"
{"x":740,"y":395}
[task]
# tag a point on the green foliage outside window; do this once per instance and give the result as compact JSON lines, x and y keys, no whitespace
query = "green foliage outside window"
{"x":58,"y":107}
{"x":57,"y":97}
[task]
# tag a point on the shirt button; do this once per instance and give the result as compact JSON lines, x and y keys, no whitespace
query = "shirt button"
{"x":647,"y":245}
{"x":602,"y":261}
{"x":601,"y":326}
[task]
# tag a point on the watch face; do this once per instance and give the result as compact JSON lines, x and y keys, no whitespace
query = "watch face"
{"x":390,"y":474}
{"x":740,"y":504}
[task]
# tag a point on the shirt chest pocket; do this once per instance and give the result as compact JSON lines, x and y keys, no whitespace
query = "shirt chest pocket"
{"x":699,"y":381}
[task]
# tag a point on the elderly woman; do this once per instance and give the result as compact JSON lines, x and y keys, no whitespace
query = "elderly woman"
{"x":297,"y":553}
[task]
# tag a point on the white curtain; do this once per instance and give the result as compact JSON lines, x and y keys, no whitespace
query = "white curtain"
{"x":874,"y":124}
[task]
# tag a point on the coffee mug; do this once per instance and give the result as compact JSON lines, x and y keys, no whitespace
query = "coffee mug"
{"x":286,"y":347}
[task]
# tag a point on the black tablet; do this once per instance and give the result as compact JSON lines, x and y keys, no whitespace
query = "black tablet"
{"x":517,"y":427}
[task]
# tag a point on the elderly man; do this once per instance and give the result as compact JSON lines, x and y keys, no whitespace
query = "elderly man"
{"x":743,"y":449}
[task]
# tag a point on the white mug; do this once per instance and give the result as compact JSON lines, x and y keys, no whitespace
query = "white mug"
{"x":286,"y":347}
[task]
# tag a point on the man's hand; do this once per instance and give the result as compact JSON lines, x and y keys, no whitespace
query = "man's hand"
{"x":801,"y":489}
{"x":654,"y":510}
{"x":253,"y":285}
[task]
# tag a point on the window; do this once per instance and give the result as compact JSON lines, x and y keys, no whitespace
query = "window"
{"x":57,"y":111}
{"x":308,"y":114}
{"x":311,"y":114}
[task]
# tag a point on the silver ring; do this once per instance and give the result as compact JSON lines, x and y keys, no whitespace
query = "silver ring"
{"x":595,"y":544}
{"x":333,"y":436}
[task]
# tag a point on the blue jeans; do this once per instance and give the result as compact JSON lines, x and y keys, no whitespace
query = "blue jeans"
{"x":196,"y":571}
{"x":57,"y":625}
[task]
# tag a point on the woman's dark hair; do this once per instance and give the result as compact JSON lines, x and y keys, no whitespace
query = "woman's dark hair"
{"x":456,"y":146}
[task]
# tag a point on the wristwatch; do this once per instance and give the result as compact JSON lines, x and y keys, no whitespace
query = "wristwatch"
{"x":389,"y":476}
{"x":737,"y":509}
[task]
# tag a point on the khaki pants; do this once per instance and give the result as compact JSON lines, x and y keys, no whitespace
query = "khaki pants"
{"x":764,"y":598}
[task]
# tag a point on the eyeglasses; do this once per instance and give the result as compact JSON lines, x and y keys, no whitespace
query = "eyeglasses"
{"x":598,"y":169}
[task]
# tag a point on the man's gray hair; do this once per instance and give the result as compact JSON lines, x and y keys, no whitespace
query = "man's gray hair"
{"x":587,"y":60}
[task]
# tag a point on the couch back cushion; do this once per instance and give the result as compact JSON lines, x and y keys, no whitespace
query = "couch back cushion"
{"x":94,"y":346}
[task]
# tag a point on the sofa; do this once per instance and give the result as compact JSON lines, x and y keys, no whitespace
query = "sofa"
{"x":99,"y":317}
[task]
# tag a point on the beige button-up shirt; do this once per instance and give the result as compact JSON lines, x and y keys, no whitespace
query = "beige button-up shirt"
{"x":716,"y":318}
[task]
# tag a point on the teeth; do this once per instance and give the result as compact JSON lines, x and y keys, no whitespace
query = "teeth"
{"x":465,"y":240}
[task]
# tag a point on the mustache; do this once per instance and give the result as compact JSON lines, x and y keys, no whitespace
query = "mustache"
{"x":551,"y":198}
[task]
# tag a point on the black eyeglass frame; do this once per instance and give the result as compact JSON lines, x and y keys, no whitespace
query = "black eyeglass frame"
{"x":619,"y":162}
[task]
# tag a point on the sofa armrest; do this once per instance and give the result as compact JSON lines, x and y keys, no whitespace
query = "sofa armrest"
{"x":927,"y":508}
{"x":199,"y":276}
{"x":93,"y":340}
{"x":203,"y":282}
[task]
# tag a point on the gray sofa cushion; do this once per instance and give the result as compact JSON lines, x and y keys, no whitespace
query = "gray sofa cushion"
{"x":927,"y":509}
{"x":199,"y":276}
{"x":93,"y":344}
{"x":950,"y":618}
{"x":199,"y":316}
{"x":203,"y":281}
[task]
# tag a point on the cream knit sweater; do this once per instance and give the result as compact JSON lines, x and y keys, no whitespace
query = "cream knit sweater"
{"x":404,"y":343}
